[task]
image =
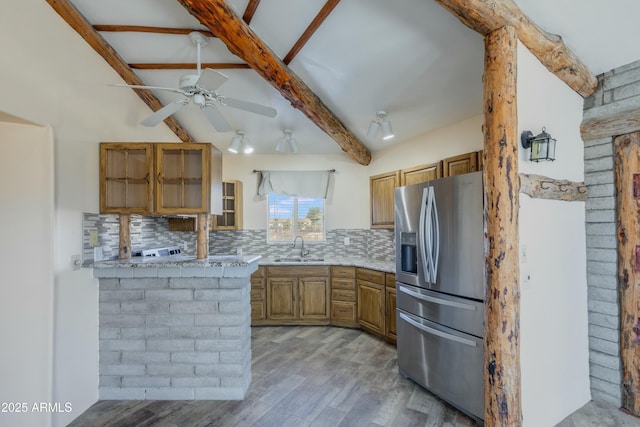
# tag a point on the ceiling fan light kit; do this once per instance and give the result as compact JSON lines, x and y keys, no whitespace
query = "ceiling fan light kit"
{"x":199,"y":89}
{"x":382,"y":124}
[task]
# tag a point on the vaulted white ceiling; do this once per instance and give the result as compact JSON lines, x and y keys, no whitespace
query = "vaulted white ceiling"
{"x":411,"y":58}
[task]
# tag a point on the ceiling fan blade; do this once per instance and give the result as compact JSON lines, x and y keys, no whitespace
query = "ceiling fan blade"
{"x":170,"y":89}
{"x":164,"y":112}
{"x":248,"y":106}
{"x":211,"y":79}
{"x":216,"y":118}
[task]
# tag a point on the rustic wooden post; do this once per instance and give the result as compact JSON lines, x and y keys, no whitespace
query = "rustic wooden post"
{"x":627,"y":166}
{"x":502,"y":186}
{"x":124,"y":247}
{"x":203,"y":236}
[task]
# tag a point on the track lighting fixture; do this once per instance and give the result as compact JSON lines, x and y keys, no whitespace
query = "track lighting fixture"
{"x":381,"y":123}
{"x":240,"y":143}
{"x":287,"y":143}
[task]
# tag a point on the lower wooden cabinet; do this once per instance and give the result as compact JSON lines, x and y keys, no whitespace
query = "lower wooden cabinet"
{"x":344,"y":297}
{"x":282,"y":297}
{"x":371,"y":306}
{"x":314,"y":298}
{"x":371,"y":300}
{"x":295,"y":296}
{"x":390,"y":323}
{"x":318,"y":295}
{"x":258,"y":295}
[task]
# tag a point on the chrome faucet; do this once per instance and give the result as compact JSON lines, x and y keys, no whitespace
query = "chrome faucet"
{"x":303,"y":253}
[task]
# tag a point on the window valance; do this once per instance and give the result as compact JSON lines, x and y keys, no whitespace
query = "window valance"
{"x":294,"y":183}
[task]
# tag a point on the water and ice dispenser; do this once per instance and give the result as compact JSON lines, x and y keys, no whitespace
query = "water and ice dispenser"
{"x":408,"y":253}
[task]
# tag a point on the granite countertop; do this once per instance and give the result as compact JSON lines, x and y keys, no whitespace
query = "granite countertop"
{"x":239,"y":261}
{"x":178,"y":261}
{"x":373,"y":264}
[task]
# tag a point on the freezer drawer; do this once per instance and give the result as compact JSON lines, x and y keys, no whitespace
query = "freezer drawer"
{"x":443,"y":360}
{"x":458,"y":313}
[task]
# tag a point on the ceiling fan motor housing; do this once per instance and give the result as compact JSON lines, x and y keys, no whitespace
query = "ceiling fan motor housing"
{"x":188,"y":81}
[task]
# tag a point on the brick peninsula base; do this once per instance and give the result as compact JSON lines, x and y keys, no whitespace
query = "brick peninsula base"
{"x":175,"y":330}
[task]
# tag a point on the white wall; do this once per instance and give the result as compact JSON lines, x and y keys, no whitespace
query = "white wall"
{"x":553,"y":317}
{"x":347,"y":205}
{"x":52,"y":77}
{"x":26,"y":270}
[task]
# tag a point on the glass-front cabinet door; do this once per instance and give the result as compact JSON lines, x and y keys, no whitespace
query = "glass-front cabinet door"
{"x":182,"y":184}
{"x":125,"y":178}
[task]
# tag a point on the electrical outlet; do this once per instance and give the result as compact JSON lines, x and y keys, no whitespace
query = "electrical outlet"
{"x":93,"y":238}
{"x":347,"y":241}
{"x":76,"y":262}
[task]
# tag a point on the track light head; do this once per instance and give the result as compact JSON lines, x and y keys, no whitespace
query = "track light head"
{"x":239,"y":143}
{"x":381,"y":123}
{"x":288,"y":142}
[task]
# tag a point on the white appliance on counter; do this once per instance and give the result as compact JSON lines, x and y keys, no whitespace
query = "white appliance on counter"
{"x":157,"y":252}
{"x":439,"y":238}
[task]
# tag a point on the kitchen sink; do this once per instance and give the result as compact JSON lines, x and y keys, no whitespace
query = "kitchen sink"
{"x":298,"y":259}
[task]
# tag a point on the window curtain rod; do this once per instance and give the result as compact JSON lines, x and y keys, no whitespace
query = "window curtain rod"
{"x":258,"y":171}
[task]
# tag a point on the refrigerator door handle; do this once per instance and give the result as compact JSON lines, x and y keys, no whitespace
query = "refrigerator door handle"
{"x":434,"y":235}
{"x":435,"y":300}
{"x":422,"y":238}
{"x":437,"y":332}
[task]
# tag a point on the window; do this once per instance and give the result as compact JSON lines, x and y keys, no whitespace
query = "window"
{"x":290,"y":216}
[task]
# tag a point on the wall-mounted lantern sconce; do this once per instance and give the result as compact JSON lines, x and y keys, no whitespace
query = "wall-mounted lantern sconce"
{"x":543,"y":146}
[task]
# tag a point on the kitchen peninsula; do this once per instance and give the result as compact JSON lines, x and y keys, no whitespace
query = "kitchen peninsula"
{"x":175,"y":328}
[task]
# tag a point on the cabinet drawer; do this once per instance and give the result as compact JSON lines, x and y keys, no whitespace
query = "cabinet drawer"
{"x":337,"y":283}
{"x":343,"y":312}
{"x":346,"y":272}
{"x":390,"y":278}
{"x":288,"y":271}
{"x":371,"y":275}
{"x":343,"y":295}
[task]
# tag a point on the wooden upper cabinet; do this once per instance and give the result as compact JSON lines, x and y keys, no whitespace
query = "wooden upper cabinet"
{"x":480,"y":160}
{"x":231,"y":218}
{"x":422,"y":173}
{"x":150,"y":178}
{"x":381,"y":191}
{"x":188,"y":179}
{"x":457,"y":165}
{"x":126,"y":186}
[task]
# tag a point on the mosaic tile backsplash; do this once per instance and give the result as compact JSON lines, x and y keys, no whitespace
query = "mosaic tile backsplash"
{"x":151,"y":232}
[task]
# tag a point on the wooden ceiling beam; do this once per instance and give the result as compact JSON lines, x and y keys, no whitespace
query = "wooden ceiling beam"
{"x":485,"y":16}
{"x":188,"y":66}
{"x":311,"y":29}
{"x":250,"y":11}
{"x":78,"y":22}
{"x":144,"y":29}
{"x":243,"y":42}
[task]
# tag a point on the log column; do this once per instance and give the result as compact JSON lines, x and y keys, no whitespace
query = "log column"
{"x":627,"y":165}
{"x":203,"y":236}
{"x":124,"y":247}
{"x":502,"y":273}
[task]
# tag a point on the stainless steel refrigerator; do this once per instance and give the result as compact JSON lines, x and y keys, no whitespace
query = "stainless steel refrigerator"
{"x":440,"y":288}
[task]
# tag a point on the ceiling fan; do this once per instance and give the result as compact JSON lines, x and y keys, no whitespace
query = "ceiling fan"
{"x":199,"y":89}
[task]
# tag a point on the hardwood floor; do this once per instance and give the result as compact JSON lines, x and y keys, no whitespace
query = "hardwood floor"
{"x":318,"y":376}
{"x":302,"y":376}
